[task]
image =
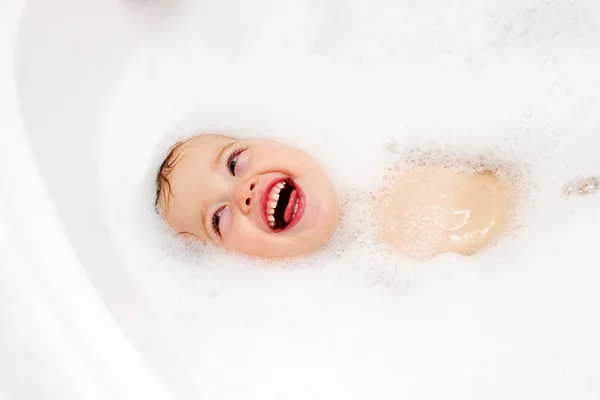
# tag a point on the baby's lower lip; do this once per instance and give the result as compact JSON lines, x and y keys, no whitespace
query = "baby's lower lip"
{"x":266,"y":200}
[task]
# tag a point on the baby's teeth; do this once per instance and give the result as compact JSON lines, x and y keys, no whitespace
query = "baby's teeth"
{"x":277,"y":189}
{"x":273,"y":204}
{"x":271,"y":211}
{"x":271,"y":219}
{"x":275,"y":196}
{"x":281,"y":185}
{"x":272,"y":224}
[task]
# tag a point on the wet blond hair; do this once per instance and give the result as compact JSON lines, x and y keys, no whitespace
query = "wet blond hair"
{"x":164,"y":173}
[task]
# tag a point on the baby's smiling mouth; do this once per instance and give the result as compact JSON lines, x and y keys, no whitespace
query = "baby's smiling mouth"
{"x":282,"y":204}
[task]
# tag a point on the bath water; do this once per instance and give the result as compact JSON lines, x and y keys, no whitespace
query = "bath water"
{"x":363,"y":87}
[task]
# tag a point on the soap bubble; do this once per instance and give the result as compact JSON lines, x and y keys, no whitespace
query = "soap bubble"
{"x":370,"y":89}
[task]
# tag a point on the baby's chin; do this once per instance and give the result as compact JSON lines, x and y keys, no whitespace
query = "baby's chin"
{"x":298,"y":244}
{"x":311,"y":233}
{"x":283,"y":245}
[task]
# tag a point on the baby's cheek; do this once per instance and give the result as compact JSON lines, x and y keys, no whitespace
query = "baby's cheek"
{"x":247,"y":239}
{"x":283,"y":158}
{"x":239,"y":231}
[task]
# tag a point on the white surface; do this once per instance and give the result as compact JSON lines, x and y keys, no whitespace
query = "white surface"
{"x":71,"y":323}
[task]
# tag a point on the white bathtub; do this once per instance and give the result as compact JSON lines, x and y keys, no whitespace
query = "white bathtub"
{"x":72,"y":324}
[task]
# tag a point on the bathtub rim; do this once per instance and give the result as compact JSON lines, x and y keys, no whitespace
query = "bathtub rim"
{"x":40,"y":273}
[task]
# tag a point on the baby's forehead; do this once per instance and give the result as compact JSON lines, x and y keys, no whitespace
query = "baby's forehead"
{"x":193,"y":164}
{"x":197,"y":157}
{"x":203,"y":145}
{"x":199,"y":150}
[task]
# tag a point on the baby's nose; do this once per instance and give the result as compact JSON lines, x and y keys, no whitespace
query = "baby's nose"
{"x":246,"y":193}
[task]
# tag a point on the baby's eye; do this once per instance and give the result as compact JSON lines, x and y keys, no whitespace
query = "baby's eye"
{"x":216,"y":219}
{"x":232,"y":160}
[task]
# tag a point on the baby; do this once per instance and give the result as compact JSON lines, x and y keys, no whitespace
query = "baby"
{"x":262,"y":198}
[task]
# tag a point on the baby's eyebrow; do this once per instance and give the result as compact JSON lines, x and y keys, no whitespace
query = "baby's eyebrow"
{"x":203,"y":222}
{"x":221,"y":153}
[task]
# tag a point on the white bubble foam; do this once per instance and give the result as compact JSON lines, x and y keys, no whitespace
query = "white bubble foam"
{"x":366,"y":86}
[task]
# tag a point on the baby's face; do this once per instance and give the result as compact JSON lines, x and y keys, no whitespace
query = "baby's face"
{"x":255,"y":197}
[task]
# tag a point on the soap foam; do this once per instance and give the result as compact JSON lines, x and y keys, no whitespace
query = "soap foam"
{"x":366,"y":88}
